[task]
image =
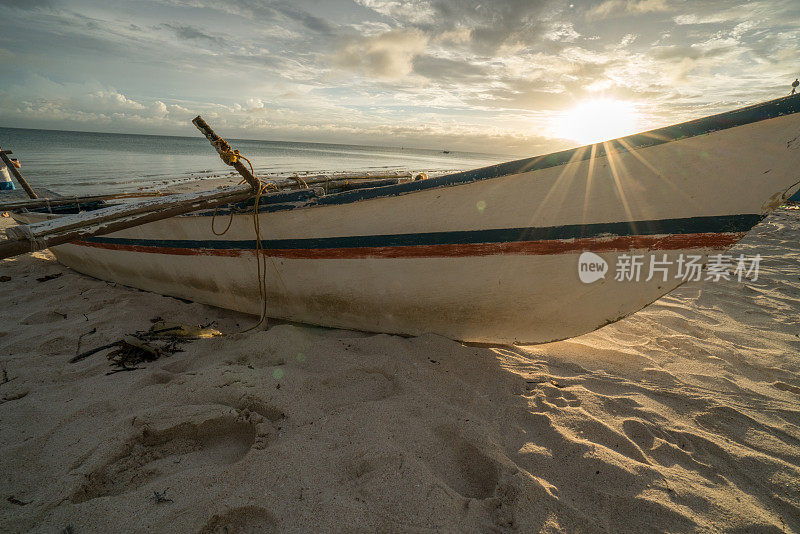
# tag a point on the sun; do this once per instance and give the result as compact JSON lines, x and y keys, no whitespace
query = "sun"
{"x":597,"y":120}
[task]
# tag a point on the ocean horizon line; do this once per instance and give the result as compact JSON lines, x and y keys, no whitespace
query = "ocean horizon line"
{"x":393,"y":147}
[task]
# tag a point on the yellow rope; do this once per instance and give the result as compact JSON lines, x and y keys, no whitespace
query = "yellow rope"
{"x":232,"y":157}
{"x":261,"y":265}
{"x":214,"y":217}
{"x":299,"y":181}
{"x":226,"y":153}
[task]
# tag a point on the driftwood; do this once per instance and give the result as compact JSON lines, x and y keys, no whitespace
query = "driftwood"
{"x":17,"y":175}
{"x":84,"y":355}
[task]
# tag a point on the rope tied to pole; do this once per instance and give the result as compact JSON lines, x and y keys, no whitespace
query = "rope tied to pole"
{"x":232,"y":157}
{"x":228,"y":155}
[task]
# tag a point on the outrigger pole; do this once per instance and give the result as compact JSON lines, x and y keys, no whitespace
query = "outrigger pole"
{"x":32,"y":237}
{"x":68,"y":228}
{"x":227,"y":154}
{"x":13,"y":168}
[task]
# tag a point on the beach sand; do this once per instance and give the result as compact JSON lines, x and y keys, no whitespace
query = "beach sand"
{"x":683,"y":417}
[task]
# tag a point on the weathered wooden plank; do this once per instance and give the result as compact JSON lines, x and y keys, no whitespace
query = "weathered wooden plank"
{"x":185,"y":201}
{"x":77,"y":199}
{"x":29,"y":238}
{"x":324,"y":179}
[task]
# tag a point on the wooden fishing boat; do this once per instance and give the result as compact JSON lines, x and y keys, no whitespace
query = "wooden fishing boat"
{"x":487,"y":255}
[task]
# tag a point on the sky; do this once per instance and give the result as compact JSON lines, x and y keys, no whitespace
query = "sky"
{"x":498,"y":76}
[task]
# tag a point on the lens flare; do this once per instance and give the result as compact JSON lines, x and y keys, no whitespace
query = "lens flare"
{"x":597,"y":120}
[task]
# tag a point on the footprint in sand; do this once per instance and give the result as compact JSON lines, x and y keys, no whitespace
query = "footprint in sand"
{"x":783,"y":386}
{"x":474,"y":473}
{"x":244,"y":520}
{"x":42,"y":317}
{"x":156,"y":378}
{"x":360,"y":385}
{"x":158,"y":453}
{"x":669,"y":447}
{"x":639,"y":433}
{"x":557,"y":396}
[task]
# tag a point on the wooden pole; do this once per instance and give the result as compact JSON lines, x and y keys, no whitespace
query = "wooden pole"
{"x":334,"y":180}
{"x":323,"y":179}
{"x":17,"y":175}
{"x":185,"y":201}
{"x":226,"y":153}
{"x":38,"y":236}
{"x":62,"y":201}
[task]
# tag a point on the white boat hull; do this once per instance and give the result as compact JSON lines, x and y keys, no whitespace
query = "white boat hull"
{"x":482,"y":257}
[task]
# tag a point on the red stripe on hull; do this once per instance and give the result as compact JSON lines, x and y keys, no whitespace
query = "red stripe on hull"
{"x":533,"y":248}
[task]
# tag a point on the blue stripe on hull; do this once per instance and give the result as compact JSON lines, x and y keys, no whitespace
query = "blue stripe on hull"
{"x":692,"y":225}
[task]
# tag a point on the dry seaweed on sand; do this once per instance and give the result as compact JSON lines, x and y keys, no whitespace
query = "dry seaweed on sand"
{"x":162,"y":339}
{"x":49,"y":277}
{"x":161,"y":497}
{"x":133,"y":350}
{"x":14,"y":500}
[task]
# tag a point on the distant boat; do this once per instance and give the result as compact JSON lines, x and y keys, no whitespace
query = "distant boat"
{"x":445,"y":151}
{"x":487,"y":255}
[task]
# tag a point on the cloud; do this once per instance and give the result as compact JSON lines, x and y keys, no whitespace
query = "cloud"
{"x":369,"y":70}
{"x":311,"y":22}
{"x":389,"y":55}
{"x":438,"y":68}
{"x":85,"y":107}
{"x":413,"y":11}
{"x":27,"y":4}
{"x":40,"y":101}
{"x":562,"y":31}
{"x":191,"y":33}
{"x":620,"y":7}
{"x":280,"y":11}
{"x":490,"y":25}
{"x":493,"y":24}
{"x":109,"y":102}
{"x":692,"y":52}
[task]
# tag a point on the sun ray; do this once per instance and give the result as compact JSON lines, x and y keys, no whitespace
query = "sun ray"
{"x":658,"y":173}
{"x":561,"y":184}
{"x":613,"y":163}
{"x":589,"y":177}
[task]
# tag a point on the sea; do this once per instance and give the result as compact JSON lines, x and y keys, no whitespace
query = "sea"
{"x":76,"y":163}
